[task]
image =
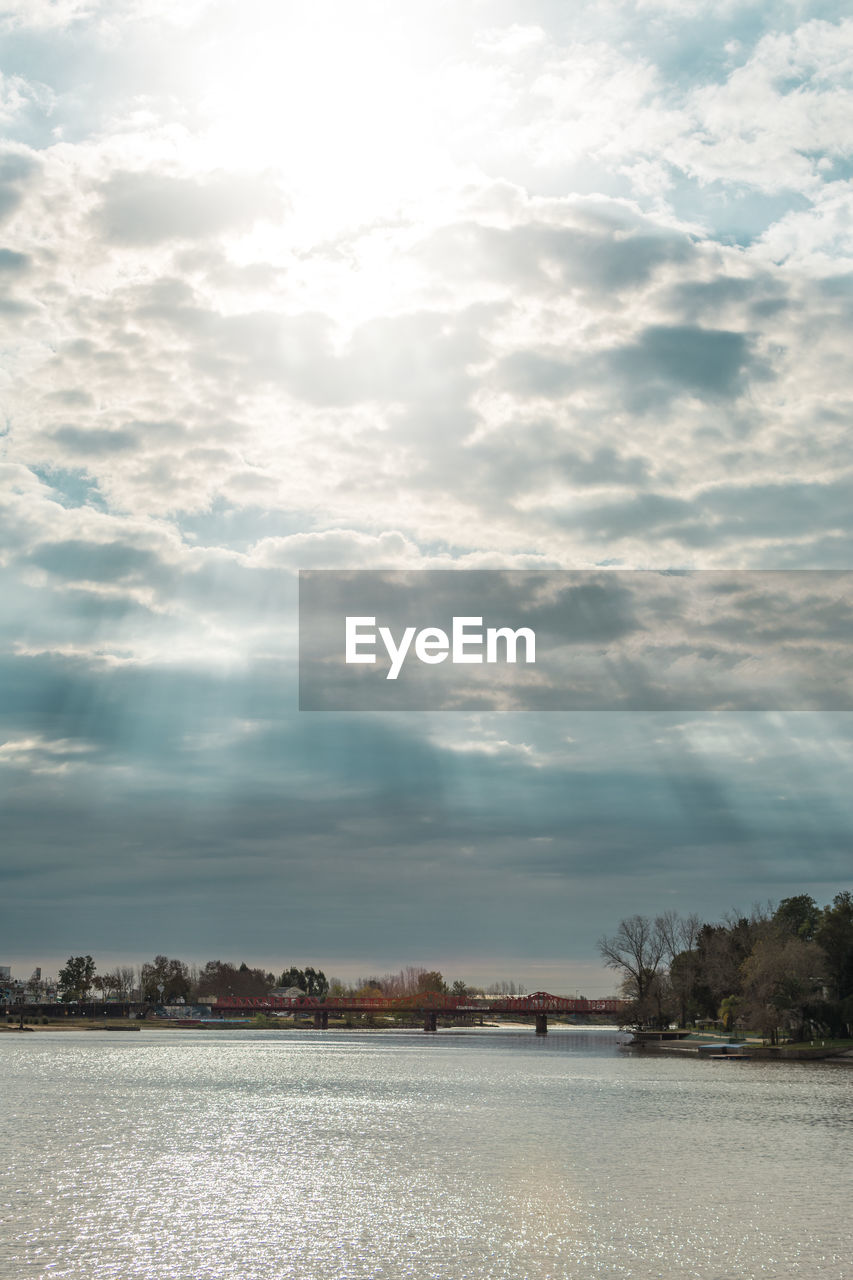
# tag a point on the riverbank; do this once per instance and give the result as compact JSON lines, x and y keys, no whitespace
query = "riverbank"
{"x":276,"y":1025}
{"x":756,"y":1050}
{"x":74,"y":1024}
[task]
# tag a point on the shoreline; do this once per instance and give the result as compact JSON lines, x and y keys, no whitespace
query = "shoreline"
{"x":167,"y":1024}
{"x":756,"y":1052}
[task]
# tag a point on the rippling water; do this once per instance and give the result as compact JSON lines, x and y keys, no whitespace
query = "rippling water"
{"x":252,"y":1155}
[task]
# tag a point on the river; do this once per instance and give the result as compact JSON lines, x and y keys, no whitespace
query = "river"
{"x":263,"y":1155}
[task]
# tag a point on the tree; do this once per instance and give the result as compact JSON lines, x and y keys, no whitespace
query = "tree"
{"x":677,"y":933}
{"x":369,"y":987}
{"x":722,"y":951}
{"x":125,"y":977}
{"x":679,"y":936}
{"x":75,"y":978}
{"x":430,"y":980}
{"x":116,"y":984}
{"x":312,"y":981}
{"x":781,"y":978}
{"x":172,"y":975}
{"x":684,"y":974}
{"x":504,"y":988}
{"x":219,"y":978}
{"x":636,"y":951}
{"x":798,"y":916}
{"x":834,"y":936}
{"x":316,"y":983}
{"x":459,"y":989}
{"x":729,"y":1009}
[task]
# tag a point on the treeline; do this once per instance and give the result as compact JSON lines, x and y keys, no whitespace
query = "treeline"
{"x":783,"y":971}
{"x":413,"y":981}
{"x":167,"y":980}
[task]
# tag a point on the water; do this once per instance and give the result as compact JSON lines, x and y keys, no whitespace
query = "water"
{"x":252,"y":1155}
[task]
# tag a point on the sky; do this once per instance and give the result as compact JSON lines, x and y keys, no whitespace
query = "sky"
{"x":363,"y":285}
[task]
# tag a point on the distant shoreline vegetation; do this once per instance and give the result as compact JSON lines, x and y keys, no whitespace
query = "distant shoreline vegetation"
{"x":784,"y":971}
{"x":169,"y":981}
{"x":780,"y":972}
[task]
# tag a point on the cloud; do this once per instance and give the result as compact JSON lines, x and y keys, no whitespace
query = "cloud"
{"x":146,"y":208}
{"x":663,"y":361}
{"x":608,"y":249}
{"x":15,"y":169}
{"x":779,"y":113}
{"x":667,"y":359}
{"x":12,"y":263}
{"x":582,"y":297}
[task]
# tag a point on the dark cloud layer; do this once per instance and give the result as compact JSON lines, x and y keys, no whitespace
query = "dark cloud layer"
{"x":143,"y":785}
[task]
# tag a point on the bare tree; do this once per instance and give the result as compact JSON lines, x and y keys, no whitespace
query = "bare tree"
{"x":636,"y":951}
{"x":688,"y":931}
{"x":680,"y":936}
{"x":679,"y":933}
{"x":668,"y":927}
{"x":125,"y":980}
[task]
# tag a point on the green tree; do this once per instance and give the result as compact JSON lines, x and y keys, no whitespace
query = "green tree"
{"x":834,"y":936}
{"x":371,"y":986}
{"x":172,"y":975}
{"x":729,"y":1008}
{"x":798,"y":916}
{"x":316,"y":983}
{"x":294,"y":977}
{"x":219,"y":978}
{"x":684,"y":972}
{"x":112,"y":984}
{"x":431,"y":980}
{"x":312,"y":981}
{"x":75,"y":978}
{"x":723,"y":948}
{"x":781,"y":979}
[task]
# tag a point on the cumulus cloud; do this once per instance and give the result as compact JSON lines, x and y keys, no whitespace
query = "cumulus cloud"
{"x":544,"y":288}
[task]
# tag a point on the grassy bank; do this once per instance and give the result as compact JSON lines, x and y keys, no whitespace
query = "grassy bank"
{"x":755,"y":1047}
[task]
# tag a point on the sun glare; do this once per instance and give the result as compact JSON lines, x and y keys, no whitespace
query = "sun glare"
{"x":339,"y":111}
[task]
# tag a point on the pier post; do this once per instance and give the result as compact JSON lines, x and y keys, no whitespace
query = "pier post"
{"x":430,"y":1020}
{"x":321,"y":1020}
{"x":541,"y":1024}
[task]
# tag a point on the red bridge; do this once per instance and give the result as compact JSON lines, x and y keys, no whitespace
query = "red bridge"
{"x":430,"y":1004}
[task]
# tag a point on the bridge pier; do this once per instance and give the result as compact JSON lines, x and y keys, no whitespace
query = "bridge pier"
{"x":541,"y":1024}
{"x":321,"y":1020}
{"x":430,"y":1023}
